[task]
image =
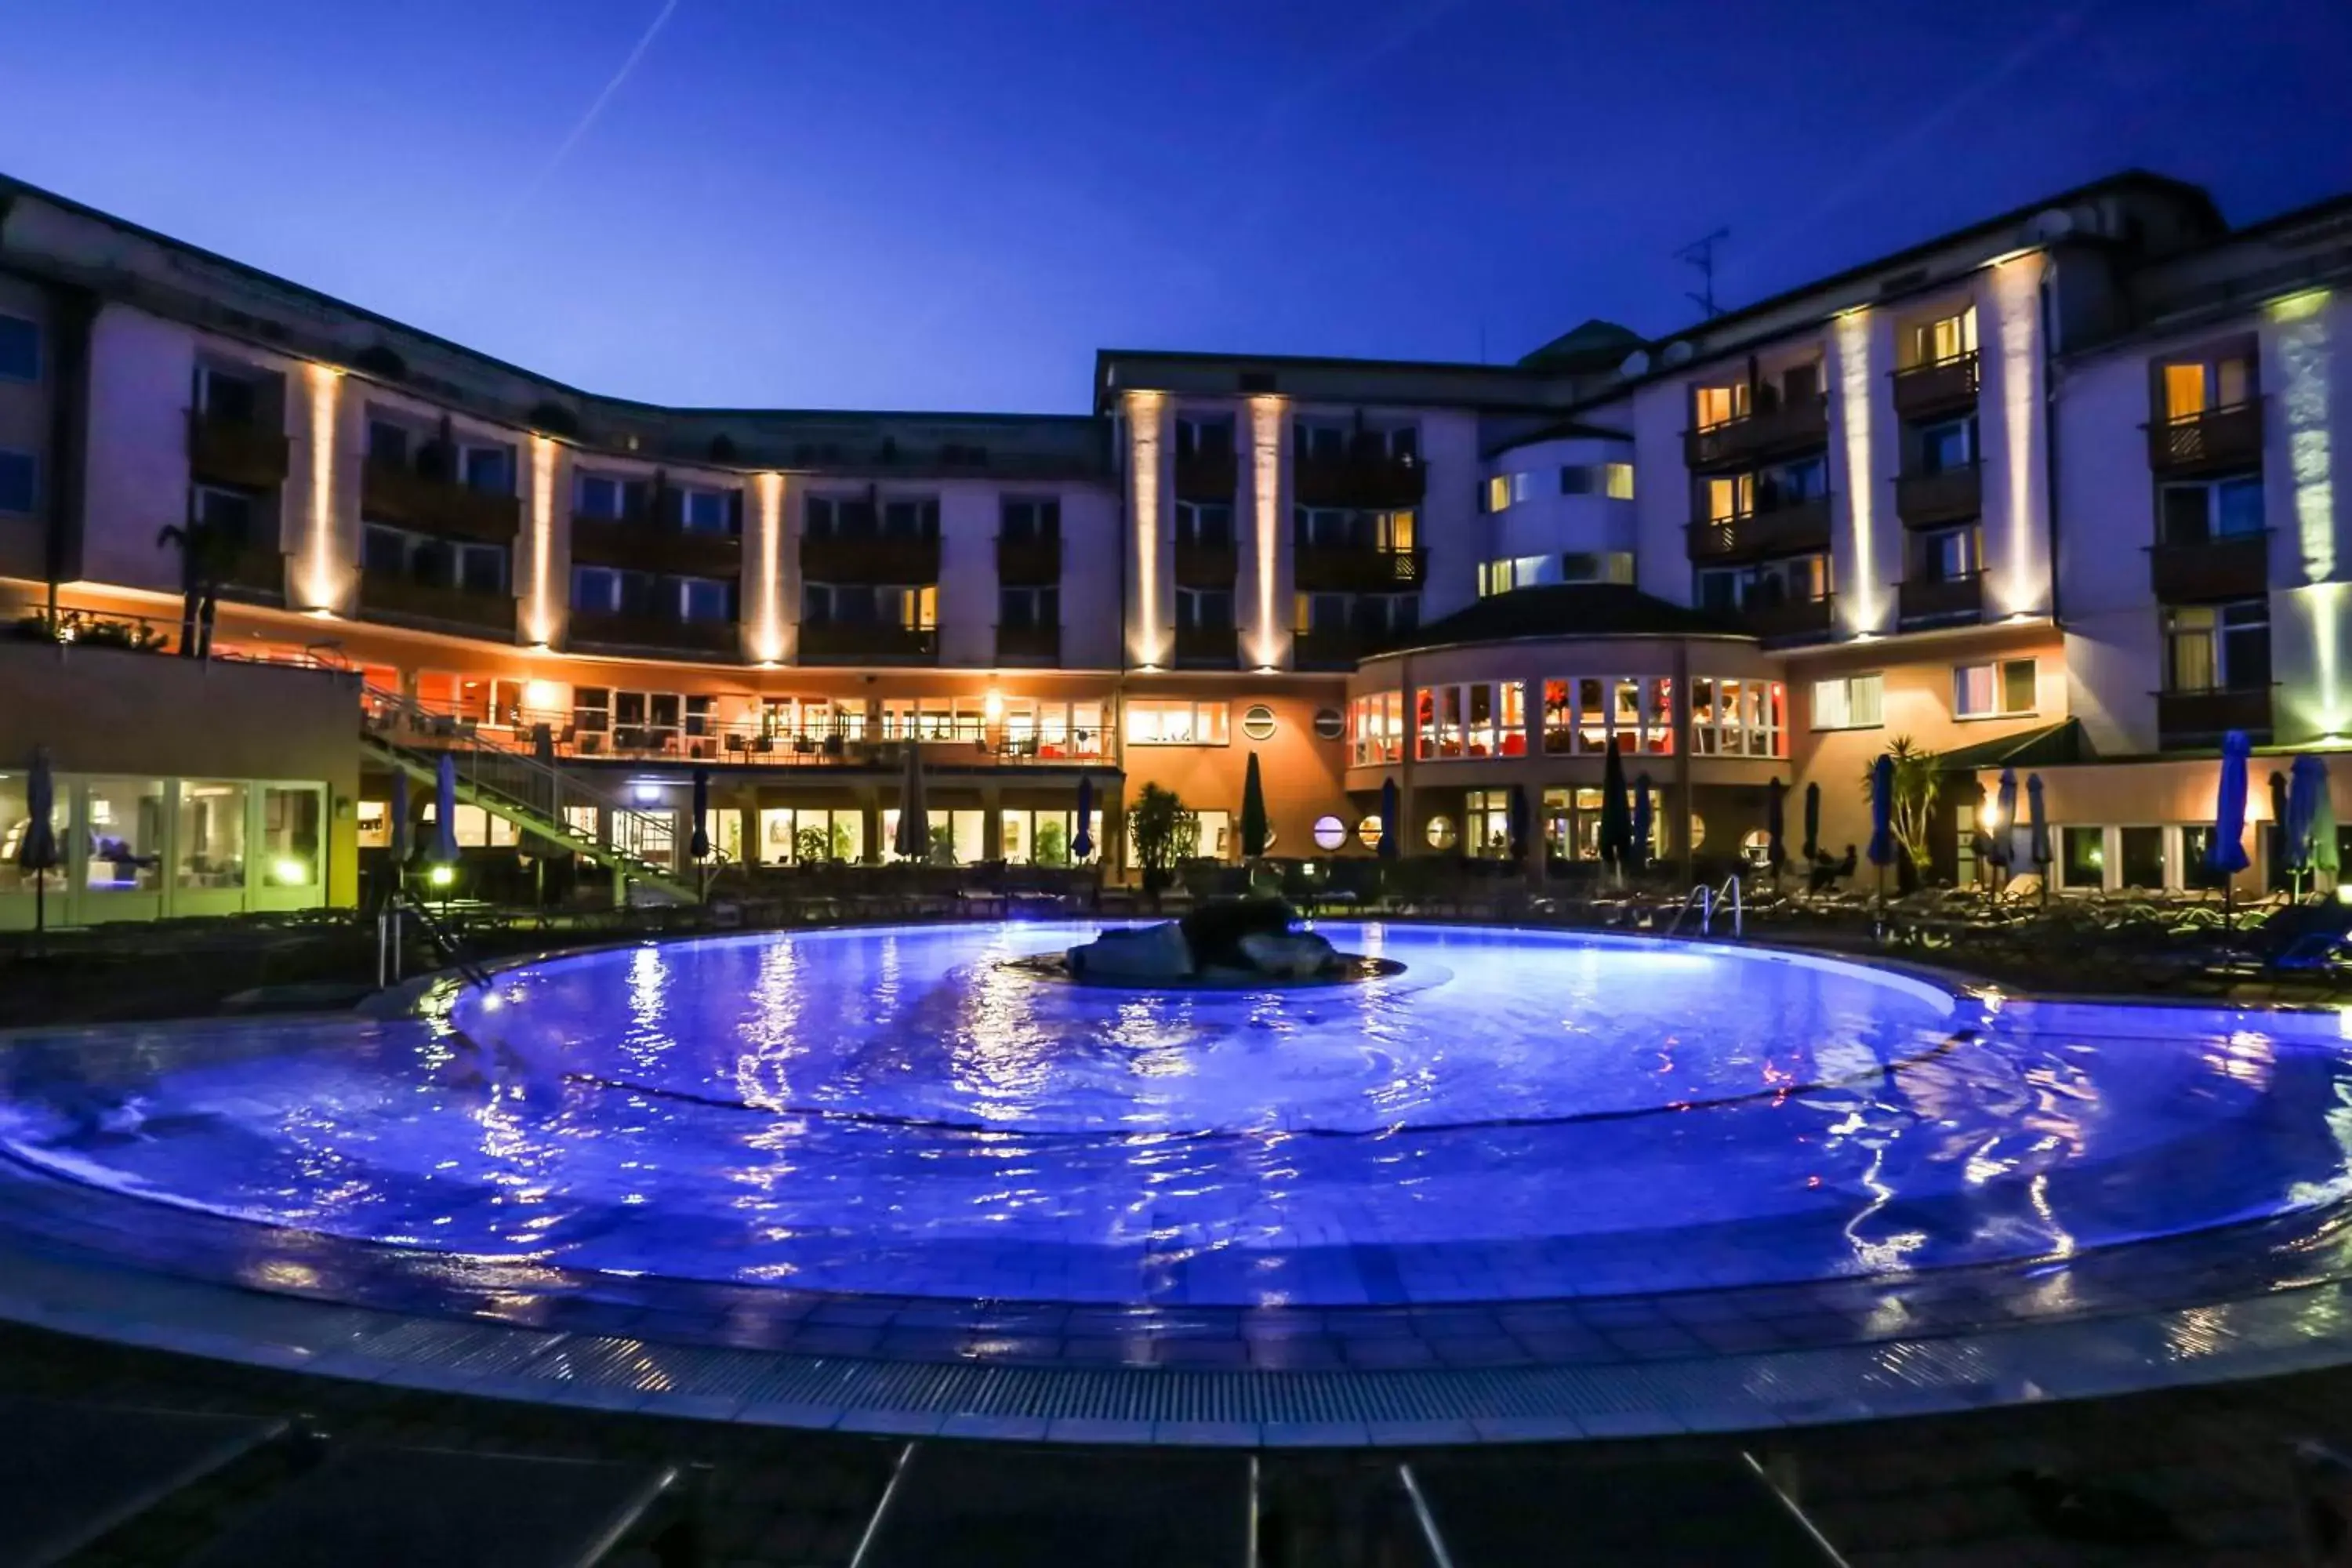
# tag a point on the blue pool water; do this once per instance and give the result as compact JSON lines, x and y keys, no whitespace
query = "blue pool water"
{"x":1517,"y":1115}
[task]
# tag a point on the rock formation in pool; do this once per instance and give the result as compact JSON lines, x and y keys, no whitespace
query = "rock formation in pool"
{"x":1238,"y":939}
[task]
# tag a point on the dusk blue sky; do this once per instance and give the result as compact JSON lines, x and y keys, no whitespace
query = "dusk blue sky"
{"x":952,"y":204}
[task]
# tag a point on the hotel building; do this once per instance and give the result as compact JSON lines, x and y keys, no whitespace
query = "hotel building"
{"x":2054,"y":490}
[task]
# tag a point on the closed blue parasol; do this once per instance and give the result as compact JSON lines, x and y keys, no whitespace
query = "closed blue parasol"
{"x":2037,"y":837}
{"x":1519,"y":822}
{"x":37,"y":848}
{"x":1082,"y":843}
{"x":1776,"y":825}
{"x":1616,"y":813}
{"x":444,"y":811}
{"x":1255,"y":830}
{"x":1641,"y":821}
{"x":913,"y":839}
{"x":697,"y":843}
{"x":2004,"y":819}
{"x":2225,"y":854}
{"x":1390,"y":811}
{"x":1882,"y":811}
{"x":2306,"y":788}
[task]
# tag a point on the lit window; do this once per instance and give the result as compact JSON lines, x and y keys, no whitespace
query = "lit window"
{"x":1994,"y":691}
{"x":1162,"y":721}
{"x":1719,"y":405}
{"x":1621,"y":481}
{"x":1499,"y":492}
{"x":1331,"y":832}
{"x":1849,"y":702}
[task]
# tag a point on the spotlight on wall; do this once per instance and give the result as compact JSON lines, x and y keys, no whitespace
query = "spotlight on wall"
{"x":441,"y":876}
{"x":646,"y":793}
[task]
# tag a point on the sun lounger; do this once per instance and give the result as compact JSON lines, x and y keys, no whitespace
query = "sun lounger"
{"x":77,"y":1471}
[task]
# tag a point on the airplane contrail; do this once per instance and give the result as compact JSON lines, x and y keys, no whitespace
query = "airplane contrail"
{"x":582,"y":126}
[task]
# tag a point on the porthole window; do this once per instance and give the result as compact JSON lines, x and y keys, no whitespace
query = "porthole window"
{"x":1331,"y":832}
{"x":1441,"y":833}
{"x":1257,"y":722}
{"x":1697,"y":831}
{"x":1368,"y":832}
{"x":1330,"y":724}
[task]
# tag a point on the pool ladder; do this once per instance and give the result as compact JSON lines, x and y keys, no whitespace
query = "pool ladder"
{"x":1706,"y":900}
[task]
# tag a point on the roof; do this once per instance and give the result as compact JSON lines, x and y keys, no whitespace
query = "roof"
{"x":1568,"y":610}
{"x":1557,"y":430}
{"x":2051,"y":746}
{"x":1595,"y":344}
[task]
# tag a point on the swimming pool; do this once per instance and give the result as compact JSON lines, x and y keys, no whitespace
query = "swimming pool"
{"x":1515,"y":1116}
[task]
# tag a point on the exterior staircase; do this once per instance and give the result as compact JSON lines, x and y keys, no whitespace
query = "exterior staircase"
{"x":510,"y":783}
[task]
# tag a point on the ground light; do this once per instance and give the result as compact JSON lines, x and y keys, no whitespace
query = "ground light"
{"x":290,"y":873}
{"x":441,"y":876}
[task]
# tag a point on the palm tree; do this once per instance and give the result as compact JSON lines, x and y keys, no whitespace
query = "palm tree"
{"x":1918,"y":779}
{"x":208,"y":554}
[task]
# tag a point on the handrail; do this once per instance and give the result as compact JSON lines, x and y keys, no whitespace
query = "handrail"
{"x":446,"y":943}
{"x":1708,"y":901}
{"x":1704,"y":896}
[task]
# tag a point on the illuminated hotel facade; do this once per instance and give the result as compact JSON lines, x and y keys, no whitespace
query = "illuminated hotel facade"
{"x":2052,"y":490}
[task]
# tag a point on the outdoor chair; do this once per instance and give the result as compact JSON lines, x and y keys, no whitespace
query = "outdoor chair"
{"x":367,"y":1507}
{"x":996,"y":1504}
{"x":1488,"y":1509}
{"x":77,"y":1471}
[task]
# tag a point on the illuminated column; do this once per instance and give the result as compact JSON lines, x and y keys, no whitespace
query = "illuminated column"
{"x":2299,"y":346}
{"x":1150,"y":593}
{"x":543,"y":562}
{"x":1865,"y":555}
{"x":323,"y":550}
{"x":767,"y":620}
{"x":1263,"y":577}
{"x":2012,"y":432}
{"x":2313,"y":644}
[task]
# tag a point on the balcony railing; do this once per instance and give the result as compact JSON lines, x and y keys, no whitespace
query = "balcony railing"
{"x":1927,"y":501}
{"x":2216,"y":439}
{"x":2196,"y":718}
{"x":669,"y":634}
{"x":1021,"y":561}
{"x":392,"y":494}
{"x":1205,"y":565}
{"x":2237,"y":566}
{"x":851,"y":642}
{"x":1348,"y":567}
{"x":1940,"y":386}
{"x":1206,"y":475}
{"x":386,"y":595}
{"x":1927,"y":600}
{"x":232,"y":452}
{"x":1205,"y":647}
{"x":1029,"y":645}
{"x":1788,"y":620}
{"x":1794,"y":528}
{"x":869,"y":558}
{"x":259,"y":570}
{"x":1791,"y":427}
{"x":642,"y":544}
{"x":1371,"y":477}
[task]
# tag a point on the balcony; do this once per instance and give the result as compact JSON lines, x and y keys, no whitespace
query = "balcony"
{"x":1345,"y":568}
{"x":869,"y":558}
{"x":1202,"y":566}
{"x":1941,"y":386}
{"x":1207,"y":647}
{"x":1029,"y":645}
{"x":1206,"y":475}
{"x":1340,"y":649}
{"x":2237,"y":566}
{"x":1371,"y":478}
{"x":406,"y":497}
{"x":1929,"y":500}
{"x":1794,"y":528}
{"x":661,"y":633}
{"x":1025,"y":561}
{"x":2210,"y":442}
{"x":388,"y":596}
{"x":860,"y":642}
{"x":1793,"y":428}
{"x":1929,"y":601}
{"x":639,"y":544}
{"x":259,"y":571}
{"x":230,"y":452}
{"x":1788,"y":620}
{"x":2189,"y":719}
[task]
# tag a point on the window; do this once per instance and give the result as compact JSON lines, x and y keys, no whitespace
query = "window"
{"x":1597,"y":566}
{"x":1174,"y":722}
{"x":1713,"y":405}
{"x":828,"y":516}
{"x":706,"y":599}
{"x":1849,"y":702}
{"x":1257,"y":722}
{"x":1047,"y":838}
{"x":20,"y":349}
{"x":2213,"y":648}
{"x":2140,"y":853}
{"x":1485,"y":719}
{"x":293,"y":835}
{"x":601,"y":496}
{"x":1368,"y":832}
{"x":226,"y":513}
{"x":387,"y":443}
{"x":591,"y":710}
{"x":1795,"y":579}
{"x":1513,"y":571}
{"x":1949,"y":446}
{"x":1029,"y":609}
{"x":1946,"y":337}
{"x":1204,"y":609}
{"x":596,"y":588}
{"x":210,"y":835}
{"x":2194,"y":388}
{"x":1786,"y":484}
{"x":227,"y":397}
{"x":1737,"y":718}
{"x":650,"y":835}
{"x":19,"y":481}
{"x":1330,"y":724}
{"x":1487,"y":822}
{"x":126,"y":836}
{"x":481,"y":568}
{"x":1376,"y":725}
{"x":2197,"y":513}
{"x":1440,"y":831}
{"x":489,"y":470}
{"x":1031,"y":520}
{"x":704,"y":511}
{"x":2082,"y":858}
{"x":1994,"y":691}
{"x":1614,"y":480}
{"x":1198,"y":436}
{"x":1724,"y":499}
{"x":911,"y":518}
{"x":1951,"y":555}
{"x":1207,"y":524}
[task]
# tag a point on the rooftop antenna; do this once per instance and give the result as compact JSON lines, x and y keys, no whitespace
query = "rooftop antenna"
{"x":1700,"y":253}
